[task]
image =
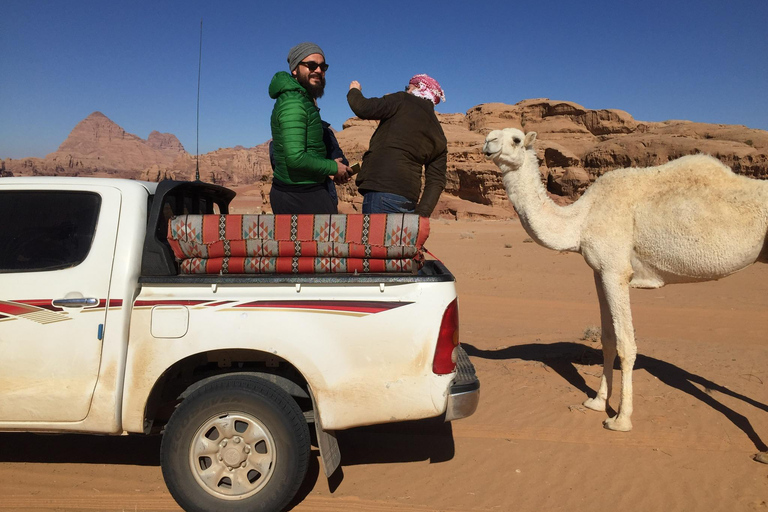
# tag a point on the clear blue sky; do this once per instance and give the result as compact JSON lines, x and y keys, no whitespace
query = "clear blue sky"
{"x":137,"y":61}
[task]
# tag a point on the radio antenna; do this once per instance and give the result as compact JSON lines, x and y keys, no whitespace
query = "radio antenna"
{"x":197,"y":131}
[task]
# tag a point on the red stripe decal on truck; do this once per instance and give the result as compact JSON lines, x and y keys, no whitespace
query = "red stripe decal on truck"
{"x":36,"y":310}
{"x":328,"y":305}
{"x":174,"y":302}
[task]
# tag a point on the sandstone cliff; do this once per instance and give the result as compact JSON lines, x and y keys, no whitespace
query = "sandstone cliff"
{"x":575,"y":145}
{"x":97,"y":143}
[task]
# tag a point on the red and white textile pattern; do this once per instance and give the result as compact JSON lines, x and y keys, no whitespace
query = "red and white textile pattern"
{"x":298,"y":243}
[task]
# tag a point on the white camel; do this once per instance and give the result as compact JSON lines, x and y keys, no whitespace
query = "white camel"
{"x":688,"y":220}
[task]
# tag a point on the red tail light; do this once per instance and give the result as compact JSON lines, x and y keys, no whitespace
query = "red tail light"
{"x":447,"y":340}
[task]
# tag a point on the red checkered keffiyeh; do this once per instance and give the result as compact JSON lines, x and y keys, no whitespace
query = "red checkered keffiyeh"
{"x":427,"y":88}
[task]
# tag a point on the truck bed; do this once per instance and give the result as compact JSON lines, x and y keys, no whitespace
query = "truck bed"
{"x":432,"y":271}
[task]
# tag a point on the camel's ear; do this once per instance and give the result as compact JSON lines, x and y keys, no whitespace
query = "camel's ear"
{"x":530,"y":138}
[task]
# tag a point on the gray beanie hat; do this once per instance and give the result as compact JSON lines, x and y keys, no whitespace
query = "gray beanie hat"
{"x":300,"y":52}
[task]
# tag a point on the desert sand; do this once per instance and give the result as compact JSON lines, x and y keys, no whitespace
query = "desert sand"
{"x":700,"y":407}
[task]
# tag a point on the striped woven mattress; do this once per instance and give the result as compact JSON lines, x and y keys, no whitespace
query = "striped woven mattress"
{"x":258,"y":244}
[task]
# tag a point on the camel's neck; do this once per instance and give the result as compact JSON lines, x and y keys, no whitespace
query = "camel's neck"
{"x":555,"y":227}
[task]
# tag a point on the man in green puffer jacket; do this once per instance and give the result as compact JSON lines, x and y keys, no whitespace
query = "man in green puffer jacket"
{"x":302,"y":181}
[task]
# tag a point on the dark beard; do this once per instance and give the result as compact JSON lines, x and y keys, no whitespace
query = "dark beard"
{"x":314,"y":91}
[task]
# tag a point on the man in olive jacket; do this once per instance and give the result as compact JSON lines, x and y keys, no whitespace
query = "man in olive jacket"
{"x":409,"y":139}
{"x":302,"y":173}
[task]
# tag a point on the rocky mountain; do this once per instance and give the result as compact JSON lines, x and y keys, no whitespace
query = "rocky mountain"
{"x":98,"y":144}
{"x":575,"y":145}
{"x":232,"y":167}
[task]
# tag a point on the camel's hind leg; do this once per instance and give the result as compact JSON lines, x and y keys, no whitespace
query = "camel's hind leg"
{"x":616,"y":289}
{"x":608,"y":339}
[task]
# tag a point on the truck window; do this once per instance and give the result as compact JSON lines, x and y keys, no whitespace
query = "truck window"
{"x":46,"y":229}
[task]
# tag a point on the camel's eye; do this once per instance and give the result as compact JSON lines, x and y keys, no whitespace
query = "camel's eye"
{"x":516,"y":140}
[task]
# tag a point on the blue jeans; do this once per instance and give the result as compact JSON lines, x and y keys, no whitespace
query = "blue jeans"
{"x":384,"y":202}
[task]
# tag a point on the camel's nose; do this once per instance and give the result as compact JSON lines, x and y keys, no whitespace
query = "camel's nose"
{"x":486,"y":151}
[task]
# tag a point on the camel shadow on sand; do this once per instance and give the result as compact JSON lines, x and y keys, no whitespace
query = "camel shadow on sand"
{"x":562,"y":357}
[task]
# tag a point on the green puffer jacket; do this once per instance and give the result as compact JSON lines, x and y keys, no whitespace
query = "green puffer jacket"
{"x":297,"y":134}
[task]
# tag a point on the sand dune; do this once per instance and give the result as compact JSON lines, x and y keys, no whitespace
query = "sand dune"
{"x":700,"y":407}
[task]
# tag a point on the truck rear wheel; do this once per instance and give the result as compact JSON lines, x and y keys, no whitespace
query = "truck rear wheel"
{"x":235,"y":444}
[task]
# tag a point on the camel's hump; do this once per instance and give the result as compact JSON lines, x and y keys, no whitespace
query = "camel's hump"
{"x":680,"y":176}
{"x":699,"y":168}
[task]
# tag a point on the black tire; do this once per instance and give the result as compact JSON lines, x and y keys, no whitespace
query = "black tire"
{"x":235,"y":444}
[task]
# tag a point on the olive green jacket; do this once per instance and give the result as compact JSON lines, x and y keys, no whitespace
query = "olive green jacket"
{"x":297,"y":134}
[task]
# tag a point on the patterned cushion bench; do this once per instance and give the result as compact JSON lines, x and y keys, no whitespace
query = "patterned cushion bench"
{"x":256,"y":244}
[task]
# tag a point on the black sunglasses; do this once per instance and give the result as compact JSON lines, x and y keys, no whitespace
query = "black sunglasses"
{"x":312,"y":66}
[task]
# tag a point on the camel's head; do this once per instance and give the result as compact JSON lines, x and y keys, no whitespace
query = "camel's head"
{"x":508,"y":146}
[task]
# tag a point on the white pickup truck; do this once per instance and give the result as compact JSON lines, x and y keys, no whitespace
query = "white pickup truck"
{"x":100,"y":333}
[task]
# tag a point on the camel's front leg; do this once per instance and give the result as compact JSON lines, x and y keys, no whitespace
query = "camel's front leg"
{"x":616,"y":289}
{"x":608,"y":340}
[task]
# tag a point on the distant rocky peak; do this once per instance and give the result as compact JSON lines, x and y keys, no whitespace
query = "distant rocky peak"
{"x":97,"y":142}
{"x":96,"y":129}
{"x":96,"y":115}
{"x":97,"y":119}
{"x":165,"y":142}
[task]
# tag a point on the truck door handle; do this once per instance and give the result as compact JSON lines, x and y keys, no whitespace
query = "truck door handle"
{"x":77,"y":302}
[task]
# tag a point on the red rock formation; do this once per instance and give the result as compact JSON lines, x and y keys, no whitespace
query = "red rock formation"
{"x":166,"y":142}
{"x":98,"y":144}
{"x":575,"y":145}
